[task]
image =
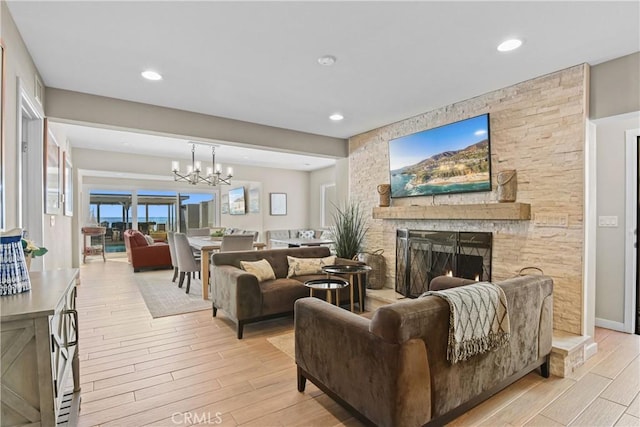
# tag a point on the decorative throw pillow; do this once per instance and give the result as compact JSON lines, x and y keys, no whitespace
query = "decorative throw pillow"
{"x":326,"y":234}
{"x":306,"y":234}
{"x":149,"y":239}
{"x":303,"y":266}
{"x":261,"y":269}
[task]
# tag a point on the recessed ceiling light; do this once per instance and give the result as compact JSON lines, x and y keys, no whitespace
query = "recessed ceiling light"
{"x":151,"y":75}
{"x":510,"y":44}
{"x":327,"y":60}
{"x":336,"y":117}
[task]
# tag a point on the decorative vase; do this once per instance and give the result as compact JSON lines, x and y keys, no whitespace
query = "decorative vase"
{"x":27,"y":259}
{"x":507,"y":186}
{"x":14,"y":275}
{"x":385,"y":194}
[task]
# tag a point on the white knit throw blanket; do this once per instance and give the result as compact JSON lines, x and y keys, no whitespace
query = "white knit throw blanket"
{"x":479,"y":319}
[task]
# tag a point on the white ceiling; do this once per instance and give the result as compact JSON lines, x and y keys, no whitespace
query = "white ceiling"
{"x":257,"y":61}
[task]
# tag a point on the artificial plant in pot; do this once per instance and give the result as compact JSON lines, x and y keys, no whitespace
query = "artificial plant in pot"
{"x":348,"y":230}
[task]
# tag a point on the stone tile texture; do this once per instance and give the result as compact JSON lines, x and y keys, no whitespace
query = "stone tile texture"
{"x":537,"y":128}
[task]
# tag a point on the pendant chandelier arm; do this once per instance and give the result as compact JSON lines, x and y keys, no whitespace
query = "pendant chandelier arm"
{"x":193,"y":176}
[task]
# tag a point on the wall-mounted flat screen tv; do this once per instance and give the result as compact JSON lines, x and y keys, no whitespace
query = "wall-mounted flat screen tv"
{"x":237,"y":201}
{"x":454,"y":158}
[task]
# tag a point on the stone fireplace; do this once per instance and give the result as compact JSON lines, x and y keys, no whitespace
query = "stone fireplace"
{"x":422,"y":255}
{"x":537,"y":128}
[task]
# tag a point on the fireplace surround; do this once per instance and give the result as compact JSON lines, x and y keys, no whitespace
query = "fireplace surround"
{"x":422,"y":255}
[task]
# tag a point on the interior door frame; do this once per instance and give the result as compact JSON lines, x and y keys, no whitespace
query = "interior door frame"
{"x":30,"y":211}
{"x":631,"y":223}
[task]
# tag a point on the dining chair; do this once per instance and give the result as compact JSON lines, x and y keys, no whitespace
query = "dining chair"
{"x":236,"y":242}
{"x":191,"y":232}
{"x":172,"y":252}
{"x":187,"y":263}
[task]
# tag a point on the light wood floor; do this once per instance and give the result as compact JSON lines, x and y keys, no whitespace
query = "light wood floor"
{"x":191,"y":369}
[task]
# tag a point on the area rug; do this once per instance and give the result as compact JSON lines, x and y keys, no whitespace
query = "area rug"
{"x":164,"y":298}
{"x":285,"y":343}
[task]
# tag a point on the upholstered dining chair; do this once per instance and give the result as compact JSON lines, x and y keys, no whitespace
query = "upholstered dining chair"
{"x":187,"y":263}
{"x":236,"y":242}
{"x":172,"y":251}
{"x":191,"y":232}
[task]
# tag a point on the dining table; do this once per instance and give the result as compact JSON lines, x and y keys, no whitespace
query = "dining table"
{"x":206,"y":245}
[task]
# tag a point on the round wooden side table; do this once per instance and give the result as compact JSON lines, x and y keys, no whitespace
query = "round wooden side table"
{"x":354,"y":272}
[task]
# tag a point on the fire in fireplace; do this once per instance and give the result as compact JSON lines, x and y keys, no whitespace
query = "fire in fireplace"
{"x":422,"y":255}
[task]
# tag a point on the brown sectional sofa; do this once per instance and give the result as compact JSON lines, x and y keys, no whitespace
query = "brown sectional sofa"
{"x":392,"y":370}
{"x":245,"y":300}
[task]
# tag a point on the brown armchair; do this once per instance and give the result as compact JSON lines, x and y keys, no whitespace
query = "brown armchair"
{"x":141,"y":254}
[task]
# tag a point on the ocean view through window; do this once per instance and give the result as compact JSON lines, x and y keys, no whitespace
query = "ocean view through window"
{"x":154,"y":213}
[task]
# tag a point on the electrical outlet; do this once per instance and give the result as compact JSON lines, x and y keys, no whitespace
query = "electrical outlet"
{"x":607,"y":221}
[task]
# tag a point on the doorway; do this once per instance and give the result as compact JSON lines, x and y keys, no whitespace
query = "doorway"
{"x":636,"y":309}
{"x":30,"y":204}
{"x":632,"y":224}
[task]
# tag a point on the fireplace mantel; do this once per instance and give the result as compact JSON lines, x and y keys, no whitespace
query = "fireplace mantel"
{"x":485,"y":211}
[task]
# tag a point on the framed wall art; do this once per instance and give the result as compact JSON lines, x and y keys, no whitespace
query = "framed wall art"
{"x":51,"y":172}
{"x":278,"y":203}
{"x":67,"y":185}
{"x":254,"y":200}
{"x":224,"y":205}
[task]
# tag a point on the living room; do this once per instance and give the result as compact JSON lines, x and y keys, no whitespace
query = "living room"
{"x":554,"y":127}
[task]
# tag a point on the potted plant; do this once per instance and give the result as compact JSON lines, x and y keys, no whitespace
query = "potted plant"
{"x":217,"y":233}
{"x":31,"y":251}
{"x":348,"y":230}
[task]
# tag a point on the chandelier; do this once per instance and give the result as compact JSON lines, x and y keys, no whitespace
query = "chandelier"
{"x":193,"y":174}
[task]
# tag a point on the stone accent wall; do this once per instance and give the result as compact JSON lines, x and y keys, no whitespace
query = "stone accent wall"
{"x":538,"y":128}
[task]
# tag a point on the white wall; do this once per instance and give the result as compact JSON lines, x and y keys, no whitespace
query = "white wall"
{"x":18,"y":65}
{"x":611,"y":194}
{"x":318,"y":179}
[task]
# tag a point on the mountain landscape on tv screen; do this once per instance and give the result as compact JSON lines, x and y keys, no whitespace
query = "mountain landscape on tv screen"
{"x":457,"y":171}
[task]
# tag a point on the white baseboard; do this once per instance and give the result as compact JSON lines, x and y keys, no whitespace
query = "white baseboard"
{"x":589,"y":350}
{"x":610,"y":324}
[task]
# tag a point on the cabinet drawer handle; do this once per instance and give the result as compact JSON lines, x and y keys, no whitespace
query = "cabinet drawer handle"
{"x":74,"y":313}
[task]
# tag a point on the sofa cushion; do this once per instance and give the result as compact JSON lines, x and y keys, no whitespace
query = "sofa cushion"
{"x":276,"y":257}
{"x":278,"y":295}
{"x":261,"y":269}
{"x":326,"y":234}
{"x":306,"y":234}
{"x":149,"y":239}
{"x":279,"y":234}
{"x":138,"y":239}
{"x":303,"y":266}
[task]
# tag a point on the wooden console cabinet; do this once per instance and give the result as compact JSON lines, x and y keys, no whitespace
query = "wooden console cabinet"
{"x":39,"y":341}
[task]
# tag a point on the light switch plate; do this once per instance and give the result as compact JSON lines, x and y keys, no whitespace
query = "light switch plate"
{"x":607,"y":221}
{"x":551,"y":220}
